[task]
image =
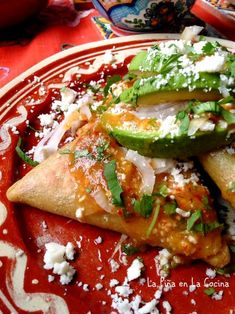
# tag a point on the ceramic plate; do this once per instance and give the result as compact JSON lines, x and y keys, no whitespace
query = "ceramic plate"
{"x":24,"y":231}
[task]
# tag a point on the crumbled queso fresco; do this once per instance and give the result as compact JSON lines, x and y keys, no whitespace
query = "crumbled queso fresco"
{"x":186,"y":65}
{"x":58,"y":258}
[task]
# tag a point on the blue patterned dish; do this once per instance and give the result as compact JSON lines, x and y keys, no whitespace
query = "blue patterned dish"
{"x":145,"y":15}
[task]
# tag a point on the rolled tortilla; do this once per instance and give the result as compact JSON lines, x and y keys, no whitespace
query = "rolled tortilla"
{"x":220,"y":165}
{"x":68,"y":187}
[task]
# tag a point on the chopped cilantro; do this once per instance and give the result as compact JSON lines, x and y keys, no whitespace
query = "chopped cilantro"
{"x":231,"y":64}
{"x":205,"y":202}
{"x":226,"y":100}
{"x":167,"y":63}
{"x":77,"y":153}
{"x":232,"y":187}
{"x":229,"y":269}
{"x":228,"y":116}
{"x":113,"y":183}
{"x":88,"y":190}
{"x":193,"y":219}
{"x":153,"y":222}
{"x":209,"y":291}
{"x":209,"y":48}
{"x":110,"y":81}
{"x":232,"y":248}
{"x":211,"y":226}
{"x":145,"y":206}
{"x":63,"y":89}
{"x":82,"y":153}
{"x":23,"y":156}
{"x":101,"y":150}
{"x":129,"y":249}
{"x":184,"y":118}
{"x":170,"y":208}
{"x":163,"y":191}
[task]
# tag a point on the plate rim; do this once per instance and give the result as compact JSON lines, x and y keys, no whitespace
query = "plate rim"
{"x":123,"y":39}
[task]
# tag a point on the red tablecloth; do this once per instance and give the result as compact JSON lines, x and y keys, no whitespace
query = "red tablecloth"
{"x":59,"y":24}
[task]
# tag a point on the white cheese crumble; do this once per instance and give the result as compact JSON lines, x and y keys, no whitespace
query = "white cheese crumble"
{"x":149,"y":307}
{"x":98,"y":240}
{"x":162,"y":262}
{"x":124,"y":290}
{"x":134,"y":271}
{"x":210,"y":64}
{"x":192,"y":288}
{"x":55,"y":258}
{"x":113,"y":283}
{"x":217,"y":295}
{"x":210,"y":273}
{"x":114,"y":265}
{"x":99,"y":286}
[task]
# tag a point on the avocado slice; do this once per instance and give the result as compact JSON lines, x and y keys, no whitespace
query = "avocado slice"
{"x":183,"y":146}
{"x":160,"y":88}
{"x":171,"y":138}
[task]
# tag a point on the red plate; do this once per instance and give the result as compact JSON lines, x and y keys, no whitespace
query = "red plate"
{"x":22,"y":229}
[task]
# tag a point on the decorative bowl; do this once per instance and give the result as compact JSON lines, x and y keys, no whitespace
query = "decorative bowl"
{"x":145,"y":15}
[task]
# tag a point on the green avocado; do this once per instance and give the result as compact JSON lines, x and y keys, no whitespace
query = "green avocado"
{"x":177,"y":87}
{"x":144,"y":64}
{"x":183,"y":146}
{"x":171,"y":138}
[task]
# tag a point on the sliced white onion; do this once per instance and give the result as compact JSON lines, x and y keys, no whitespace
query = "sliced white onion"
{"x":160,"y":111}
{"x":102,"y":200}
{"x":86,"y":111}
{"x":190,"y":32}
{"x":161,"y":165}
{"x":195,"y":125}
{"x":119,"y":246}
{"x":46,"y":147}
{"x":146,"y":170}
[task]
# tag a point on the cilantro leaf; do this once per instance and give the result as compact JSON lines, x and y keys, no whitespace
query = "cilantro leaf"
{"x":209,"y":291}
{"x":185,"y":121}
{"x":129,"y":249}
{"x":81,"y":153}
{"x":211,"y":226}
{"x":113,"y":183}
{"x":232,"y":248}
{"x":113,"y":79}
{"x":226,"y":100}
{"x":145,"y":206}
{"x":232,"y":187}
{"x":229,"y":117}
{"x":23,"y":156}
{"x":193,"y":219}
{"x":163,"y":191}
{"x":209,"y":48}
{"x":101,"y":150}
{"x":170,"y":208}
{"x":153,"y":222}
